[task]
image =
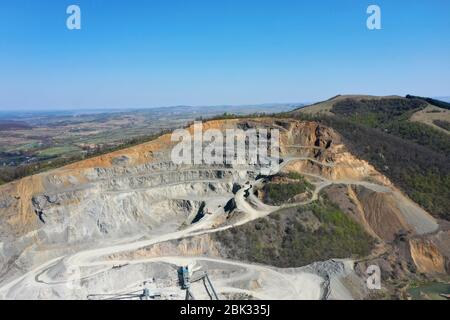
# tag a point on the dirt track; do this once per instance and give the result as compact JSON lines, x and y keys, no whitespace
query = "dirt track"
{"x":55,"y":272}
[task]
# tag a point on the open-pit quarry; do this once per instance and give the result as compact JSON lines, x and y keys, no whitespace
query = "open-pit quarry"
{"x":113,"y":226}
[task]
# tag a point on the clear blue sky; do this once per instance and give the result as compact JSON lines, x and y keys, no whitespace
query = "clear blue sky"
{"x":206,"y":52}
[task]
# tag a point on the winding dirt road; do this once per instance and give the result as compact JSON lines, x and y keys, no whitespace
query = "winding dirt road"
{"x":252,"y":209}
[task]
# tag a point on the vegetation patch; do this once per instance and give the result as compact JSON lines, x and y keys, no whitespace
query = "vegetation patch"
{"x":57,"y":151}
{"x":442,"y":124}
{"x":392,"y":116}
{"x":284,"y":187}
{"x":434,"y":102}
{"x":297,"y":176}
{"x":286,"y":238}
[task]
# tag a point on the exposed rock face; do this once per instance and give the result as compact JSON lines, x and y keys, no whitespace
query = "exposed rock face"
{"x":139,"y":193}
{"x":346,"y":199}
{"x":426,"y":256}
{"x":442,"y":241}
{"x":128,"y":193}
{"x":382,"y":214}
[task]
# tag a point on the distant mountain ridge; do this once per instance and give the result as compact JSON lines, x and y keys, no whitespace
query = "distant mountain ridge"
{"x":446,"y":98}
{"x":434,"y":102}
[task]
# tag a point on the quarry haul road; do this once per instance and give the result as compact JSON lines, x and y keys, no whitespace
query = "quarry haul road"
{"x":312,"y":286}
{"x":42,"y":274}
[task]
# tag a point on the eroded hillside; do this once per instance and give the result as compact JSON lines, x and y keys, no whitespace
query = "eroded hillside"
{"x":111,"y":223}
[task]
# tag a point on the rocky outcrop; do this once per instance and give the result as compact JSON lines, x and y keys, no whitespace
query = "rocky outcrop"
{"x":382,"y":213}
{"x":139,"y":193}
{"x":426,"y":256}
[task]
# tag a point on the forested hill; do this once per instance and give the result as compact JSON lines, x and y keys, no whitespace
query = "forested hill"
{"x":414,"y":155}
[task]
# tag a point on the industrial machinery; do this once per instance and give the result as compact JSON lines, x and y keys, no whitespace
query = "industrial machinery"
{"x":145,"y":294}
{"x":186,"y":280}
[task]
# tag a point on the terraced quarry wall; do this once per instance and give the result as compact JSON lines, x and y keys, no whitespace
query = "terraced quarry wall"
{"x":136,"y":207}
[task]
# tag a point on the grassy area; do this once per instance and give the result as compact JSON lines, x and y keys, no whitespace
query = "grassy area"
{"x":442,"y":124}
{"x":279,"y":193}
{"x":285,"y":238}
{"x":58,"y":151}
{"x":299,"y":177}
{"x":30,"y":145}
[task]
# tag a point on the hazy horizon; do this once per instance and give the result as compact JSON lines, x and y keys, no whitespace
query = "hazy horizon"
{"x":143,"y":108}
